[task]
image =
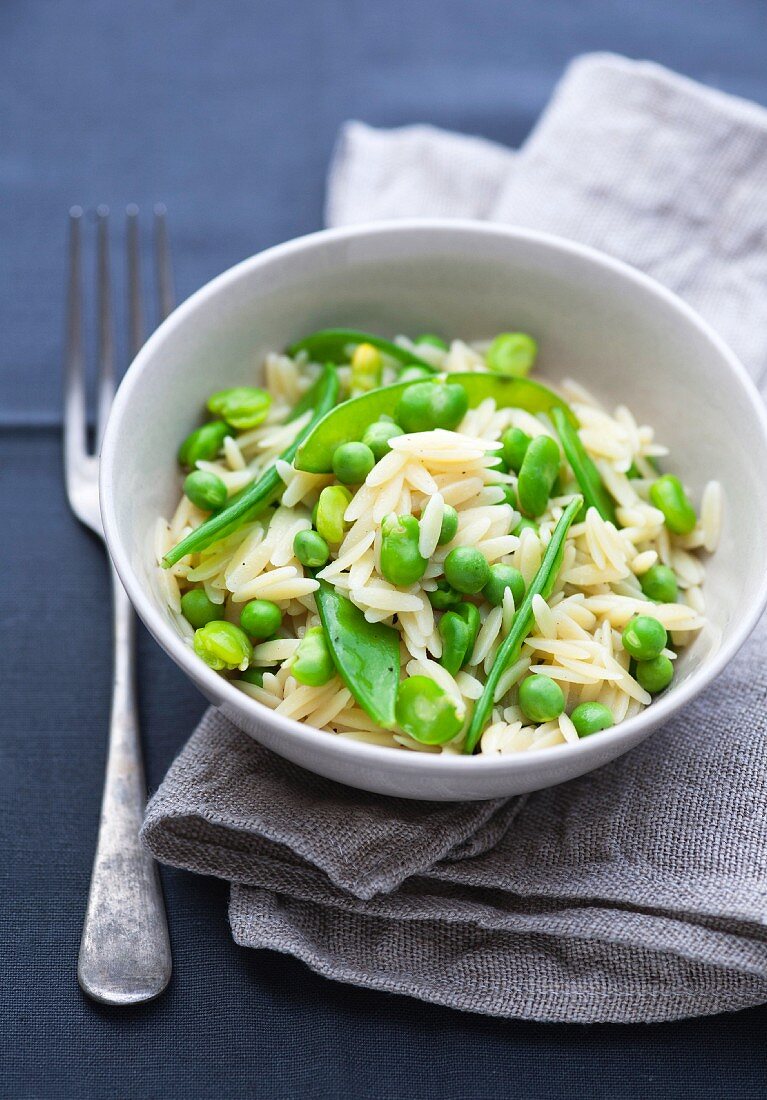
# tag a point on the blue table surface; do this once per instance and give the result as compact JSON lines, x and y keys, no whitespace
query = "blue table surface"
{"x":227,"y":112}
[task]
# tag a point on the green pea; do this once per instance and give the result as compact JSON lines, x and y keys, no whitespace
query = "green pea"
{"x":367,"y":368}
{"x":515,"y":443}
{"x":455,"y":635}
{"x":426,"y":711}
{"x":536,"y":477}
{"x":540,"y":698}
{"x":311,"y":549}
{"x":378,"y":435}
{"x":591,"y":718}
{"x":503,"y":577}
{"x":206,"y":490}
{"x":466,"y":569}
{"x":352,"y":462}
{"x":414,"y":373}
{"x":243,"y":407}
{"x":261,"y":618}
{"x":253,"y":676}
{"x":449,"y":527}
{"x":222,"y":645}
{"x":443,"y":596}
{"x":401,"y":560}
{"x":313,"y":664}
{"x":197,"y":609}
{"x":656,"y":674}
{"x":204,"y":443}
{"x":510,"y":498}
{"x":432,"y":341}
{"x":644,"y":637}
{"x":668,"y":495}
{"x":512,"y":354}
{"x":329,"y":520}
{"x":659,"y":584}
{"x":428,"y":405}
{"x":524,"y":524}
{"x":469,"y":612}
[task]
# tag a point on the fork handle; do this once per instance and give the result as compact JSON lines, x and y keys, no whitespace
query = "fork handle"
{"x":124,"y":951}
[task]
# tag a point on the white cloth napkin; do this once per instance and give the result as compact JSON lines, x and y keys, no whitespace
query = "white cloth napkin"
{"x":653,"y":168}
{"x":638,"y":892}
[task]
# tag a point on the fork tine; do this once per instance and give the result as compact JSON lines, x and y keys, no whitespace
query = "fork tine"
{"x":106,"y":327}
{"x":135,"y":312}
{"x":75,"y":447}
{"x":165,"y":292}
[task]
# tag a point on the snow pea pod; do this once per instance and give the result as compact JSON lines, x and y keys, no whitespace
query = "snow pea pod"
{"x":331,"y":346}
{"x":587,"y":475}
{"x":256,"y":497}
{"x":365,"y":654}
{"x":522,"y":623}
{"x":352,"y":418}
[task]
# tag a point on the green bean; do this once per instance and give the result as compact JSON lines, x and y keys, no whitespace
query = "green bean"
{"x":401,"y":561}
{"x":426,"y":711}
{"x":333,"y":502}
{"x":512,"y":354}
{"x":204,"y":443}
{"x":668,"y":495}
{"x":428,"y":405}
{"x":515,"y":443}
{"x":542,"y":584}
{"x":455,"y":635}
{"x":313,"y":664}
{"x":332,"y":346}
{"x":350,"y":420}
{"x":256,"y":497}
{"x":366,"y":655}
{"x":595,"y":495}
{"x":536,"y":477}
{"x":206,"y":490}
{"x":222,"y":645}
{"x":243,"y":407}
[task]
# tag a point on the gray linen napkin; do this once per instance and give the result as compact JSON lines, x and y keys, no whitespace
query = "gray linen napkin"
{"x":638,"y":892}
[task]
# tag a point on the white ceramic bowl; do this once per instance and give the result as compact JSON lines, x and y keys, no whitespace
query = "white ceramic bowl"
{"x":618,"y":332}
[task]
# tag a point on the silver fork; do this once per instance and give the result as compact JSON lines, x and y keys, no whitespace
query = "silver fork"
{"x":124,"y":952}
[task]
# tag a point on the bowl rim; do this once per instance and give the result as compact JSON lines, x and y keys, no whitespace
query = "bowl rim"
{"x":361,"y":752}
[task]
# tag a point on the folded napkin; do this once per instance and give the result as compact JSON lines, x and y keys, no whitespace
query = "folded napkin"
{"x":638,"y":892}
